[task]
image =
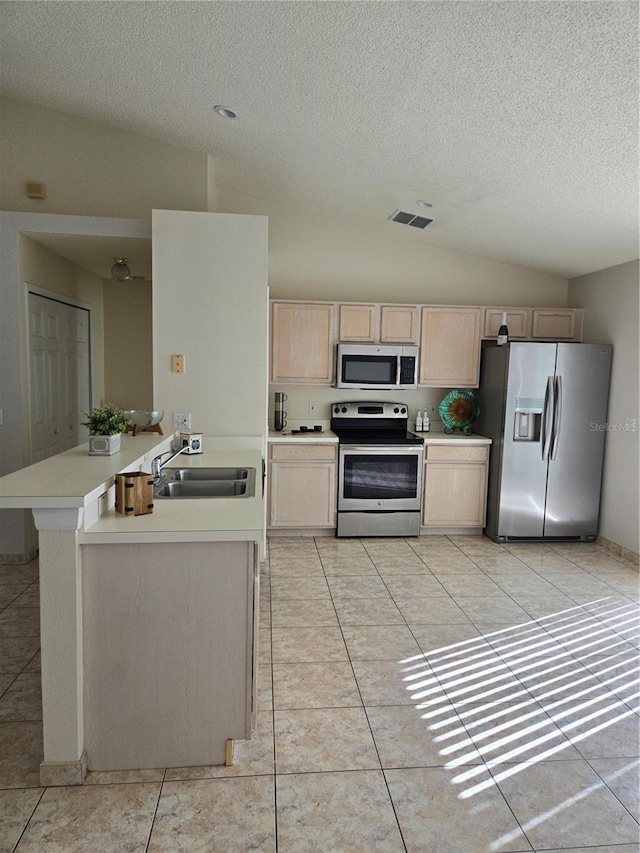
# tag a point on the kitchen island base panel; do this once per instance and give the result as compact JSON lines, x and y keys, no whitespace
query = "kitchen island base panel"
{"x":168,"y":652}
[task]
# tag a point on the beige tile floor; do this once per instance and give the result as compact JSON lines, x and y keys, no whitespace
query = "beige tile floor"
{"x":438,"y":695}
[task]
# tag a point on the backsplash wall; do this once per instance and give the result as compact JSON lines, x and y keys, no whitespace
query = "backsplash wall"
{"x":299,"y":397}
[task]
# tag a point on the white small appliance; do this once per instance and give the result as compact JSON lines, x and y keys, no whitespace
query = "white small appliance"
{"x":192,"y":441}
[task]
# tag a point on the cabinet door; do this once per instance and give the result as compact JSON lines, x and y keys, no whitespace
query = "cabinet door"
{"x":358,"y":323}
{"x":518,"y":322}
{"x":450,"y":347}
{"x":454,"y":494}
{"x":557,"y":324}
{"x":303,"y":494}
{"x":302,"y":342}
{"x":398,"y":324}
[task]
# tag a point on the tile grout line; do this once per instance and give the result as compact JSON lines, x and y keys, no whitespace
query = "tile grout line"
{"x":366,"y":715}
{"x":634,"y":759}
{"x":27,"y":822}
{"x":155,"y":811}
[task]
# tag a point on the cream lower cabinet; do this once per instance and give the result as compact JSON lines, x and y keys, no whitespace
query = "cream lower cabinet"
{"x":302,"y":485}
{"x":455,"y":486}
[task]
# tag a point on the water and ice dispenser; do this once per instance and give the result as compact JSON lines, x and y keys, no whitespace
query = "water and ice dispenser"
{"x":528,"y":418}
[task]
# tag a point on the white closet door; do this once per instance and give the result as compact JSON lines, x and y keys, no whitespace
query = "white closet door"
{"x":60,"y":375}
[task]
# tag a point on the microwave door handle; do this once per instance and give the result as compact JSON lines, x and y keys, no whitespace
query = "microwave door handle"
{"x":398,"y":370}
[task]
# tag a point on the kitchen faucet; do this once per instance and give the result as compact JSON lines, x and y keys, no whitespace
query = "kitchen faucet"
{"x":157,"y":464}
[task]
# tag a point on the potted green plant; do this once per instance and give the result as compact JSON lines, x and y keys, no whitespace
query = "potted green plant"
{"x":105,"y":424}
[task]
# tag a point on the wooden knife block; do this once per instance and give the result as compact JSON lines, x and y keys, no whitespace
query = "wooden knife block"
{"x":134,"y":493}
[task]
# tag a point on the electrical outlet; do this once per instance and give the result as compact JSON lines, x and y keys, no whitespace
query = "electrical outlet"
{"x":313,"y":408}
{"x":182,"y":420}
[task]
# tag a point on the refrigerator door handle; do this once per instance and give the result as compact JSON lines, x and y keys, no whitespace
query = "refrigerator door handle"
{"x":557,"y":416}
{"x":547,"y":412}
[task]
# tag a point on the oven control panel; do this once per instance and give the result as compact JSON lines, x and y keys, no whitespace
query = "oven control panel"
{"x":366,"y":410}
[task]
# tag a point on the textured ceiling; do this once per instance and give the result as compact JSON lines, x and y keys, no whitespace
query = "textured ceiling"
{"x":517,"y":120}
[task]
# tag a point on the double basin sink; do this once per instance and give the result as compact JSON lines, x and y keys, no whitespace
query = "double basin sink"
{"x":206,"y":483}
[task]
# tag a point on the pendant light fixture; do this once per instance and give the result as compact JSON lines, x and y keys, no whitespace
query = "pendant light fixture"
{"x":120,"y":269}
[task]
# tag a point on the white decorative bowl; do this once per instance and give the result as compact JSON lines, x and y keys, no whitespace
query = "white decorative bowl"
{"x":140,"y":418}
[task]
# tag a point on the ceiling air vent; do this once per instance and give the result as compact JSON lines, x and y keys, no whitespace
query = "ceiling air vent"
{"x":405,"y":218}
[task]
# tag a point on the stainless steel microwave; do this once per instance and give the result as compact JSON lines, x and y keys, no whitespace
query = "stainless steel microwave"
{"x":378,"y":367}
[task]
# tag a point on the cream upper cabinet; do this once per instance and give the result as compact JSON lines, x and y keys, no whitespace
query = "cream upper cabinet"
{"x":518,"y":322}
{"x":557,"y":324}
{"x":358,"y":322}
{"x":398,"y":324}
{"x":302,"y":485}
{"x":455,"y":486}
{"x":450,"y":346}
{"x":387,"y":324}
{"x":302,"y":342}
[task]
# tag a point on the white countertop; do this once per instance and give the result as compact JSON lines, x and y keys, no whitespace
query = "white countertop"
{"x":325,"y":437}
{"x":72,"y":478}
{"x":328,"y":437}
{"x":453,"y":438}
{"x":191,"y":519}
{"x":75,"y":479}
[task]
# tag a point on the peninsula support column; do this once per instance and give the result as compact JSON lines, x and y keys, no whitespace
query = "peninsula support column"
{"x":61,"y":642}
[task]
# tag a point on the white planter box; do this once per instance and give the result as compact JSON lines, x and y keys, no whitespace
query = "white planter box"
{"x":104,"y":445}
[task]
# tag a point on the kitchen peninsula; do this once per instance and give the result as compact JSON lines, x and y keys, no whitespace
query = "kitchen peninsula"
{"x":148,"y":625}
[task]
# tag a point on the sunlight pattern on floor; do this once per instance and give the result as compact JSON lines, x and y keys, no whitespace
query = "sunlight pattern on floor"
{"x":543,"y":686}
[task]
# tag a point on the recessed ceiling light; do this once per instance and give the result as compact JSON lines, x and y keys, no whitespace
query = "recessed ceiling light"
{"x":424,"y":203}
{"x":225,"y":112}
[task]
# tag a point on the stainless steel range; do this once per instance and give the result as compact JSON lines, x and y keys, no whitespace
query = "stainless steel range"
{"x":380,"y":470}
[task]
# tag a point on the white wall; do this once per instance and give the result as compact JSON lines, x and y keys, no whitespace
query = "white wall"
{"x":610,"y":300}
{"x":128,"y":345}
{"x":93,"y":169}
{"x":210,"y":304}
{"x":315,"y":257}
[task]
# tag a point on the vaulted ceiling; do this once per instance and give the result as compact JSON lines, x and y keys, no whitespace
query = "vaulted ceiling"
{"x":517,"y":121}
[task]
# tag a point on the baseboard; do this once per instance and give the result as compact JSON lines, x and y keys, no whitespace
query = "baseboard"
{"x":276,"y":532}
{"x":627,"y":554}
{"x":56,"y":773}
{"x":18,"y":559}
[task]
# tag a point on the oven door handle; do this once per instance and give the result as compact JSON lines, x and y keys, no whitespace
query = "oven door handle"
{"x":378,"y":450}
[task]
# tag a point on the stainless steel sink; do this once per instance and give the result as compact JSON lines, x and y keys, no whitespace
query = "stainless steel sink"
{"x":206,"y":483}
{"x":202,"y":489}
{"x":208,"y":473}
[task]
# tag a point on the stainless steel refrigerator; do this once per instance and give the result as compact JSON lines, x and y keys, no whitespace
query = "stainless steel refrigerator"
{"x":545,"y":407}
